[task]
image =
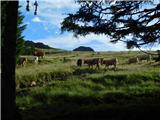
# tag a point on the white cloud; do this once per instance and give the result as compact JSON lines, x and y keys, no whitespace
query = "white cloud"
{"x":57,"y":4}
{"x":37,"y":19}
{"x":52,"y":11}
{"x":67,"y":41}
{"x":101,"y":43}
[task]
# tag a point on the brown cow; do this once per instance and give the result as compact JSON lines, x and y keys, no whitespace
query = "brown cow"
{"x":39,"y":54}
{"x":22,"y":61}
{"x":92,"y":62}
{"x":144,"y":57}
{"x":79,"y":62}
{"x":133,"y":60}
{"x":110,"y":62}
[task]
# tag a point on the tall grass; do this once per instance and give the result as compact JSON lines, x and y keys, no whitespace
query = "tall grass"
{"x":41,"y":73}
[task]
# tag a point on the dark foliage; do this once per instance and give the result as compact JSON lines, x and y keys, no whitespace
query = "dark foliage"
{"x":140,"y":20}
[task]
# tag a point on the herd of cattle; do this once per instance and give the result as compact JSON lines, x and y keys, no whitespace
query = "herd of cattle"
{"x":111,"y":62}
{"x":90,"y":62}
{"x":32,"y":59}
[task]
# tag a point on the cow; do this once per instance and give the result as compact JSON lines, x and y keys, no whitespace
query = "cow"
{"x":39,"y":54}
{"x":79,"y":62}
{"x":144,"y":57}
{"x":92,"y":62}
{"x":133,"y":60}
{"x":110,"y":62}
{"x":33,"y":59}
{"x":22,"y":61}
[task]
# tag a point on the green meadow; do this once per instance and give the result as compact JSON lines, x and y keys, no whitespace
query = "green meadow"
{"x":65,"y":91}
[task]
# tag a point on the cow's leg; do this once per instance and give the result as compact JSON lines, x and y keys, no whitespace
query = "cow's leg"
{"x":115,"y":67}
{"x":105,"y":66}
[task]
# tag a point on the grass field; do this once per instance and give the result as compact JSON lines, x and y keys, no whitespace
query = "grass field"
{"x":65,"y":91}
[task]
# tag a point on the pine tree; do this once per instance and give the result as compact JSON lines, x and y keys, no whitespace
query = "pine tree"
{"x":20,"y":43}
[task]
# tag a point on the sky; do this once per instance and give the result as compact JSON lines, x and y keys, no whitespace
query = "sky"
{"x":45,"y":27}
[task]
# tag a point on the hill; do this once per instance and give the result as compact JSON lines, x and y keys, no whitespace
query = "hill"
{"x":36,"y":45}
{"x":30,"y":47}
{"x":83,"y":48}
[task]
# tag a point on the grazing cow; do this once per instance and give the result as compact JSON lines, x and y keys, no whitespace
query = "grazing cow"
{"x":39,"y":54}
{"x":79,"y":62}
{"x":22,"y":61}
{"x":110,"y":62}
{"x":133,"y":60}
{"x":144,"y":57}
{"x":92,"y":62}
{"x":33,"y":59}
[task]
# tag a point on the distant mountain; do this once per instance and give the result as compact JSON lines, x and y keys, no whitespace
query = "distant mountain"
{"x":83,"y":48}
{"x":36,"y":45}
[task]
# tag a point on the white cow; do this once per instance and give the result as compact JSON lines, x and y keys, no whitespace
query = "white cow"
{"x":33,"y":59}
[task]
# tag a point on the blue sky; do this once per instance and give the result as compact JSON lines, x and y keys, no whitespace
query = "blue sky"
{"x":45,"y":27}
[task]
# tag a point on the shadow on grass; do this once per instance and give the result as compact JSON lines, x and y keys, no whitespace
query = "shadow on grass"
{"x":112,"y":106}
{"x":80,"y":71}
{"x":85,"y":71}
{"x":125,"y":79}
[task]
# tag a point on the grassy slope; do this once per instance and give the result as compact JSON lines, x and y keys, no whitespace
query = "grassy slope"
{"x":64,"y":91}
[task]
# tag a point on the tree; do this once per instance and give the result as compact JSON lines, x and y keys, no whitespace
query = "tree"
{"x":20,"y":39}
{"x":9,"y":37}
{"x":9,"y":30}
{"x":121,"y":20}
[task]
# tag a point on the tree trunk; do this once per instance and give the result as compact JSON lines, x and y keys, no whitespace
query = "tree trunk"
{"x":8,"y":59}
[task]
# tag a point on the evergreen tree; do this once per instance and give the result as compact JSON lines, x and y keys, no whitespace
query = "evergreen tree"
{"x":20,"y":43}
